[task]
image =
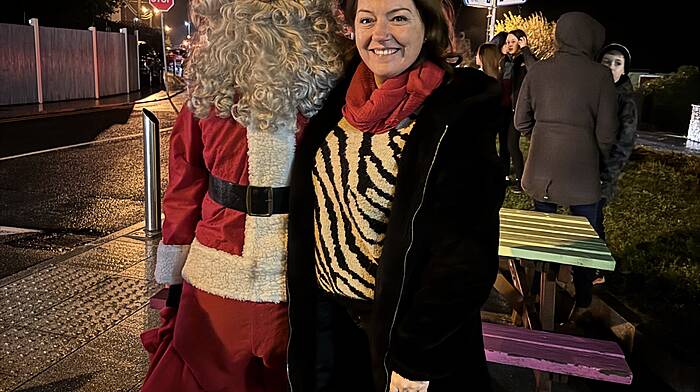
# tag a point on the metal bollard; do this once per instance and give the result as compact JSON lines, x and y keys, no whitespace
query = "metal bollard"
{"x":151,"y":172}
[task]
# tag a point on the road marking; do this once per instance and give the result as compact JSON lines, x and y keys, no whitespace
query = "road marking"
{"x":6,"y":230}
{"x":134,"y":136}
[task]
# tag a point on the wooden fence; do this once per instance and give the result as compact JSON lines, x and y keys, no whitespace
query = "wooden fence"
{"x":67,"y":66}
{"x":18,"y":65}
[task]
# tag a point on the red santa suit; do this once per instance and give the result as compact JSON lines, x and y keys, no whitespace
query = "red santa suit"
{"x":232,"y":327}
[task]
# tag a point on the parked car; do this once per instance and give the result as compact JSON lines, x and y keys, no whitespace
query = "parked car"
{"x":176,"y":58}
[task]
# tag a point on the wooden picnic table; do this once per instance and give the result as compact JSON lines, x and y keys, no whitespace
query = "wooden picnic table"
{"x":536,"y":241}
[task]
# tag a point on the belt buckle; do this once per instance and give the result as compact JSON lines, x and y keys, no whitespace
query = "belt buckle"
{"x":249,"y":203}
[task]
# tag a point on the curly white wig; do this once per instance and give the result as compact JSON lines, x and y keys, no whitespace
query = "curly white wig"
{"x":263,"y":61}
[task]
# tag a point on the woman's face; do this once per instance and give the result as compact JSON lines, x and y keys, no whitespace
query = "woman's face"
{"x":616,"y":62}
{"x":512,"y":46}
{"x":389,"y":35}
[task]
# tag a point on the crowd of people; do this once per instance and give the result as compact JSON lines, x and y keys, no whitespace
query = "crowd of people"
{"x":332,"y":212}
{"x":578,"y":111}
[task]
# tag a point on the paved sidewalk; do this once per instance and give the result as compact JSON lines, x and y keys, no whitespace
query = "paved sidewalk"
{"x":72,"y":323}
{"x":13,"y":113}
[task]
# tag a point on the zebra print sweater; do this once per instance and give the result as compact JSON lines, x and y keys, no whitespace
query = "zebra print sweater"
{"x":354,"y":179}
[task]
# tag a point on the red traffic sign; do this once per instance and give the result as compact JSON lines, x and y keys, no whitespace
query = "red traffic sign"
{"x":162,"y":5}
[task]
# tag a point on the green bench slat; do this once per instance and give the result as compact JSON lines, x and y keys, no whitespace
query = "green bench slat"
{"x":553,"y":255}
{"x":531,"y":240}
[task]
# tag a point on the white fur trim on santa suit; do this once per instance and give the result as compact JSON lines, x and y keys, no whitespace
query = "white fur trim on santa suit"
{"x":169,"y":262}
{"x":259,"y":274}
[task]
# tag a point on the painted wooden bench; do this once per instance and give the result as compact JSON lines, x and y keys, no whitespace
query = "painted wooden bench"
{"x":535,"y":241}
{"x":555,"y":353}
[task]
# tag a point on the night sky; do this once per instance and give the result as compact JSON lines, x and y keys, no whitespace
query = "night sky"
{"x":175,"y":18}
{"x":659,"y":38}
{"x":660,"y":35}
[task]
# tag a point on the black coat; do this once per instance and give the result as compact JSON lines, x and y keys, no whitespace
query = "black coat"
{"x":521,"y":62}
{"x":625,"y":138}
{"x":440,"y":254}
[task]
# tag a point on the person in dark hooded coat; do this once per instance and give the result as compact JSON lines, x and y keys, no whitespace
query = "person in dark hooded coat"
{"x":568,"y":104}
{"x":617,"y":58}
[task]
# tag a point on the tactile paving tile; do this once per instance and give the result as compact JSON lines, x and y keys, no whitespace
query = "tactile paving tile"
{"x":112,"y":257}
{"x":85,"y":316}
{"x":142,"y":270}
{"x":24,"y":313}
{"x":26,"y":352}
{"x":115,"y":361}
{"x":24,"y":300}
{"x":63,"y":281}
{"x":145,"y":318}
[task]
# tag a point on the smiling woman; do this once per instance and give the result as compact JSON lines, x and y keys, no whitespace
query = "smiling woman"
{"x":382,"y":235}
{"x":419,"y":30}
{"x":389,"y":36}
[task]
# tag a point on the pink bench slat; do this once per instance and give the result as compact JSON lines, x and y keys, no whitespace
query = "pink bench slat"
{"x":556,"y":353}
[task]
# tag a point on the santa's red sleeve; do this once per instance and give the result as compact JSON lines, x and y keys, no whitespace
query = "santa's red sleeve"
{"x":188,"y":183}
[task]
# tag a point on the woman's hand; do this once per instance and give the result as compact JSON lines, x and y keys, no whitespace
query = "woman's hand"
{"x":522,"y":42}
{"x":400,"y":384}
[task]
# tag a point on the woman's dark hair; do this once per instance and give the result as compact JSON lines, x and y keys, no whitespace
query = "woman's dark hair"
{"x":434,"y":14}
{"x":518,"y":33}
{"x":490,"y":56}
{"x":499,"y":39}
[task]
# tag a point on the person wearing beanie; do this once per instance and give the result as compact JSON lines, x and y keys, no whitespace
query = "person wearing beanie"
{"x":617,"y":57}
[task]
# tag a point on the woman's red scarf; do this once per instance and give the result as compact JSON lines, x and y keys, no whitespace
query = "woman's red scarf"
{"x":377,"y":110}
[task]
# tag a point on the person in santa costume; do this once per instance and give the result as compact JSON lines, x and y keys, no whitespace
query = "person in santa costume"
{"x":260,"y":69}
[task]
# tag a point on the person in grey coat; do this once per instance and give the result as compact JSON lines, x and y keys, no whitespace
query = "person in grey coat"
{"x":568,"y":106}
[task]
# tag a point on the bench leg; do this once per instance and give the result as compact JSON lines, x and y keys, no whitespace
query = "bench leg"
{"x":548,"y":291}
{"x":512,"y":295}
{"x":520,"y":283}
{"x":522,"y":280}
{"x":543,"y":381}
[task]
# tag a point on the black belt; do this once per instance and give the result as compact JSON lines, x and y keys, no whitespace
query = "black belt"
{"x":253,"y":200}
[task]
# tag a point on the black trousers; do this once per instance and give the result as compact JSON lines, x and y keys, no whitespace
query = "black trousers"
{"x":343,"y":360}
{"x":503,"y":149}
{"x":583,"y":277}
{"x":343,"y":353}
{"x":516,"y":155}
